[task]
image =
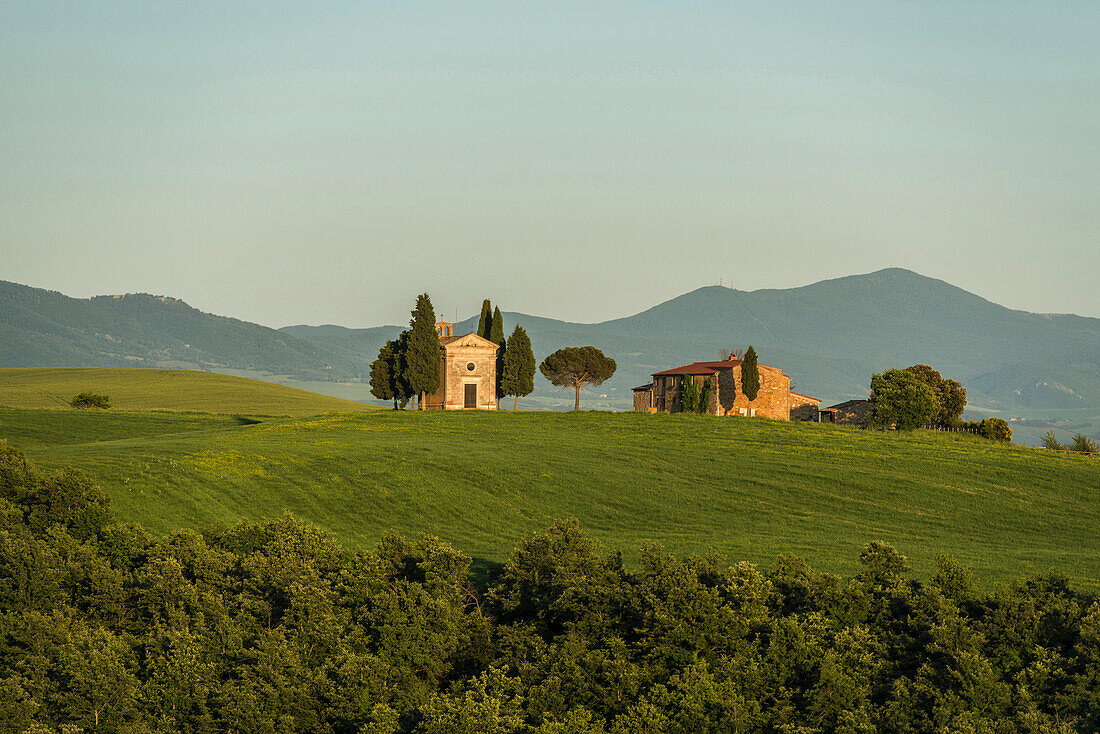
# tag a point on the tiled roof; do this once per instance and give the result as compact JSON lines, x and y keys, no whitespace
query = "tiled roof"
{"x":847,"y":404}
{"x":808,"y":397}
{"x":648,"y":386}
{"x":700,"y":368}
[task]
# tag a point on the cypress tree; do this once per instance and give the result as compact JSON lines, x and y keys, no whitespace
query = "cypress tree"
{"x":422,"y":355}
{"x":750,"y":375}
{"x":519,"y":366}
{"x":485,"y":323}
{"x":496,"y":336}
{"x":381,"y":374}
{"x":401,"y":390}
{"x":704,"y":395}
{"x":691,"y":395}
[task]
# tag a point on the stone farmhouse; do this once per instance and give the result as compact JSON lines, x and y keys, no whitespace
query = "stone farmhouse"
{"x":468,"y":372}
{"x":774,"y":400}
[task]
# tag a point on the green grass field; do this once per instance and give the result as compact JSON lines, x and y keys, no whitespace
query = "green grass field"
{"x":174,"y":390}
{"x":749,"y":488}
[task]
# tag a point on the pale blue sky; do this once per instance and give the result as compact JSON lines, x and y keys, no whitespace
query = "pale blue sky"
{"x":324,"y":162}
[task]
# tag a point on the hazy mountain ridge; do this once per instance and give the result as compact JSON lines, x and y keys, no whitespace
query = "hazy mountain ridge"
{"x":41,"y":328}
{"x":829,"y":336}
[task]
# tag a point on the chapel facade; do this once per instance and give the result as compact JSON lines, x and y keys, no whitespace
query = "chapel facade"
{"x":468,"y":372}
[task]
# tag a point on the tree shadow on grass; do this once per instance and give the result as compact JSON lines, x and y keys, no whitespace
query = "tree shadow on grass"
{"x":484,"y":572}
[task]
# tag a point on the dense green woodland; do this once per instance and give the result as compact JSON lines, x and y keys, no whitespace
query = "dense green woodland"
{"x":277,"y":628}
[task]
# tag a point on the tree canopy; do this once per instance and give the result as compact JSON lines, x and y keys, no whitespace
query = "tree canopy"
{"x":485,"y":321}
{"x":496,"y":336}
{"x":901,"y":399}
{"x":950,"y":395}
{"x":387,"y":372}
{"x":577,"y":367}
{"x":382,"y":371}
{"x":688,"y":392}
{"x":422,"y":355}
{"x":518,"y":373}
{"x":275,"y":627}
{"x":750,"y":375}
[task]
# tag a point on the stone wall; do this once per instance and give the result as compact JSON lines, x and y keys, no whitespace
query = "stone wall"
{"x":773,"y":399}
{"x":803,"y":407}
{"x":666,"y":393}
{"x":642,"y":399}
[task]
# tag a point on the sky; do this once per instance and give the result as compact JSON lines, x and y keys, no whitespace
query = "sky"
{"x":291,"y":163}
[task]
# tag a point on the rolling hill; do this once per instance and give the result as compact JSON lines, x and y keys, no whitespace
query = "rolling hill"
{"x":749,"y":488}
{"x":40,"y":328}
{"x":156,"y":389}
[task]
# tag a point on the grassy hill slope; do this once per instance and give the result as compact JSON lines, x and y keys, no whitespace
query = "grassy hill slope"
{"x":751,"y":488}
{"x":153,"y":389}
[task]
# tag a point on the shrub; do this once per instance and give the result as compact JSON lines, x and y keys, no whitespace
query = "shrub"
{"x":1050,"y":441}
{"x":689,"y":395}
{"x":995,"y":429}
{"x":1084,"y":445}
{"x":87,"y":400}
{"x":704,"y":396}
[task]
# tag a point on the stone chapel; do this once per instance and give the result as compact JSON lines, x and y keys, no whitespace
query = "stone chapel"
{"x":468,"y":372}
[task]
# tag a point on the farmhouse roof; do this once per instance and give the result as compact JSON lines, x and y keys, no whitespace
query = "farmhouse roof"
{"x":699,"y":368}
{"x":847,"y":404}
{"x":808,"y":397}
{"x":647,"y":386}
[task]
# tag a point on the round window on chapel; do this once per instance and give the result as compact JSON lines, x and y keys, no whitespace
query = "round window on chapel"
{"x":470,"y":366}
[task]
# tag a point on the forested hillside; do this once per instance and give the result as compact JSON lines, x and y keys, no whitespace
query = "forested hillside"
{"x":40,"y":328}
{"x":277,"y":628}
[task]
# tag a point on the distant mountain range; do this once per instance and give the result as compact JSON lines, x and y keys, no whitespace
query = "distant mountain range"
{"x":830,"y":337}
{"x":40,"y":328}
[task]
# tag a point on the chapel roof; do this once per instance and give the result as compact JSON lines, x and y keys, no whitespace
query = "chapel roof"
{"x":448,"y":340}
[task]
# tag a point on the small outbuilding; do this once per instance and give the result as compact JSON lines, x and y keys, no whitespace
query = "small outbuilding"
{"x":848,"y":413}
{"x":804,"y":407}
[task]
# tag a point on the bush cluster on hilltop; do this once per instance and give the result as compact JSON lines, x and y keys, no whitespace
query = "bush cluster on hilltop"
{"x":276,"y":628}
{"x":89,"y":400}
{"x":920,"y":396}
{"x":1080,"y":444}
